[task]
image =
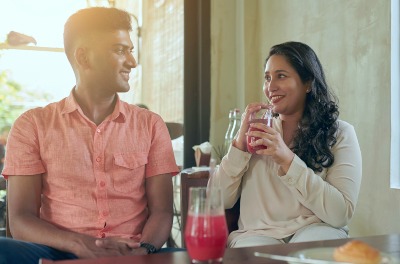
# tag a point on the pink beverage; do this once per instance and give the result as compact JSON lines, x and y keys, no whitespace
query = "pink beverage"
{"x":261,"y":117}
{"x":206,"y":237}
{"x":252,"y":149}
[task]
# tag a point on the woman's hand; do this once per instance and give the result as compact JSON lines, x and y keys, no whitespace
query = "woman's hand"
{"x":276,"y":147}
{"x":240,"y":140}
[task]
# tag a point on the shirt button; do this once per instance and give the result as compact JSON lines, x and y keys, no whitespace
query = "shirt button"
{"x":98,"y":130}
{"x":98,"y":159}
{"x":290,"y":180}
{"x":105,"y":213}
{"x":102,"y":184}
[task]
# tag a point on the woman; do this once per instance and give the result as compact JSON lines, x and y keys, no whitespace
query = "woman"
{"x":305,"y":185}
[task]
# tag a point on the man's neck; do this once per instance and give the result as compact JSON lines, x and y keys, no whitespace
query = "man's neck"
{"x":95,"y":107}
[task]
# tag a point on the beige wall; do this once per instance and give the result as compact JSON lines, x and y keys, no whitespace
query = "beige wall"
{"x":352,"y":39}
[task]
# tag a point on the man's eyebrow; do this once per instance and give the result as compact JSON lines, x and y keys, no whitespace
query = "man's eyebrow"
{"x":123,"y":46}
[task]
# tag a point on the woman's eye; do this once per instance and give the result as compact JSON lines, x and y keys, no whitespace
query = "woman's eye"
{"x":281,"y":76}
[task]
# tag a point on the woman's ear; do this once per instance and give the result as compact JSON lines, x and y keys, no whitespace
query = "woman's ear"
{"x":308,"y":86}
{"x":81,"y":57}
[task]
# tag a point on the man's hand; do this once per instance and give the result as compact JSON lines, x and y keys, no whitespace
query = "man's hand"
{"x":91,"y":247}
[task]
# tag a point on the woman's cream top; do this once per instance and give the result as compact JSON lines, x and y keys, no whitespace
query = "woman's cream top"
{"x":278,"y":206}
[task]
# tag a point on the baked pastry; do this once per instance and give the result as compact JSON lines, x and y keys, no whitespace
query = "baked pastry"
{"x":357,"y":252}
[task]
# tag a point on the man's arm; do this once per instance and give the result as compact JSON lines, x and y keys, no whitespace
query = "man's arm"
{"x":160,"y":203}
{"x":24,"y":200}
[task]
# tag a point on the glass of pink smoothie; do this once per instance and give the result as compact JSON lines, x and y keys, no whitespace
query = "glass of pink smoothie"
{"x":206,"y":230}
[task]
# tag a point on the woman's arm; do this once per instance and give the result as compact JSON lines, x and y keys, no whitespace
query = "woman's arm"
{"x":332,"y":198}
{"x":229,"y":174}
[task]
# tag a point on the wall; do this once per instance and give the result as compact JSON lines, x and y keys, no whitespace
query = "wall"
{"x":352,"y":39}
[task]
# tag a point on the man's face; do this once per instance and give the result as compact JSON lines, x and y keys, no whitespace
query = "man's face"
{"x":110,"y":61}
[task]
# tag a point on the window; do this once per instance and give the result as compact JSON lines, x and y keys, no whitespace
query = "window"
{"x":395,"y":96}
{"x":162,"y":59}
{"x":41,"y":71}
{"x":45,"y":70}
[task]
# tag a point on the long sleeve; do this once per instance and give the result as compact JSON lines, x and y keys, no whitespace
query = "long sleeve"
{"x":332,"y":195}
{"x":229,"y":174}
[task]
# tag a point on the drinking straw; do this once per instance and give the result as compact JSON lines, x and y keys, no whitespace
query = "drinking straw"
{"x":210,"y":183}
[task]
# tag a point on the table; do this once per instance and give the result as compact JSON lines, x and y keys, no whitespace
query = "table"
{"x":389,"y":243}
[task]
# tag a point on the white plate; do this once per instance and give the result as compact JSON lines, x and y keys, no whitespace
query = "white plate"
{"x":326,"y":253}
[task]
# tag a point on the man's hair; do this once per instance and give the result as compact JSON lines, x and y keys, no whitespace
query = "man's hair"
{"x":94,"y":19}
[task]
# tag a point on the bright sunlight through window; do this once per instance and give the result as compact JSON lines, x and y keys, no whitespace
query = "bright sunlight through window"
{"x":43,"y":72}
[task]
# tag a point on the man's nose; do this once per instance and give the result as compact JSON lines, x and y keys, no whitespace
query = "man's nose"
{"x":131,"y":61}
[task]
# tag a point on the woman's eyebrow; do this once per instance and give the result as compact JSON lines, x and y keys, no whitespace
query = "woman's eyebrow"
{"x":277,"y":71}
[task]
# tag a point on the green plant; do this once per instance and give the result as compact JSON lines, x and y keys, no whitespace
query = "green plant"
{"x":14,"y":99}
{"x":220,"y":152}
{"x":10,"y":100}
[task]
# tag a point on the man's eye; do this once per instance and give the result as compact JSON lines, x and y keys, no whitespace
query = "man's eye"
{"x":268,"y":78}
{"x":281,"y":76}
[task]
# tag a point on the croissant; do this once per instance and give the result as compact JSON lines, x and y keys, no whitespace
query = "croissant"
{"x":357,"y":252}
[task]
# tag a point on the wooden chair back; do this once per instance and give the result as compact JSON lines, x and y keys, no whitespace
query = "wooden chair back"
{"x":175,"y":129}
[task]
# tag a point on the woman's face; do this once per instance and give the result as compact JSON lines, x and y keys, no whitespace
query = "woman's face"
{"x":284,"y":88}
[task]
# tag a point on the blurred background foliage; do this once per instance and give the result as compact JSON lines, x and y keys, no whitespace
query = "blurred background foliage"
{"x":14,"y":100}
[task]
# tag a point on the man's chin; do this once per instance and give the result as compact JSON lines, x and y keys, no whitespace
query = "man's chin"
{"x":124,"y":89}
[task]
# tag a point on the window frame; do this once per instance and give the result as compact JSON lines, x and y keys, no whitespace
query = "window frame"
{"x":395,"y":97}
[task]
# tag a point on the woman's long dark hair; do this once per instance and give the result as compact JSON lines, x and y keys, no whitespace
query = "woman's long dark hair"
{"x":316,"y":130}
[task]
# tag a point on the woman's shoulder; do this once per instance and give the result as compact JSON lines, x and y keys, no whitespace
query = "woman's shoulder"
{"x":344,"y":125}
{"x":345,"y":130}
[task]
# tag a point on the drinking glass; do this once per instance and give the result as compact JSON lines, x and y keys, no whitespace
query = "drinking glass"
{"x":206,"y":230}
{"x":262,"y":116}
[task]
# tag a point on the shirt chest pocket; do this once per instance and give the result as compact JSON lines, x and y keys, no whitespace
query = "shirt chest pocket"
{"x":129,"y":171}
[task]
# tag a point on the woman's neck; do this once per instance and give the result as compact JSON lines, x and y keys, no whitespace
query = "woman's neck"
{"x":289,"y":128}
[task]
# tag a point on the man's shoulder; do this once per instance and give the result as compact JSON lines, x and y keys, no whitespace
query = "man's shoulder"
{"x":43,"y":112}
{"x":138,"y":112}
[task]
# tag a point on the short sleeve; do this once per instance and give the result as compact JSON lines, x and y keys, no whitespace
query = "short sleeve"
{"x":161,"y":158}
{"x":23,"y":151}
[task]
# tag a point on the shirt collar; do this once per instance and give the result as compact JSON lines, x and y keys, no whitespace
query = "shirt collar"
{"x":118,"y":115}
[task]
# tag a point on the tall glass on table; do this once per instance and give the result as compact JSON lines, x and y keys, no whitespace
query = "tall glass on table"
{"x":206,"y":231}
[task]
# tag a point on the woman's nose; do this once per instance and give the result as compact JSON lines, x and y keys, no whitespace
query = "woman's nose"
{"x":271,"y":85}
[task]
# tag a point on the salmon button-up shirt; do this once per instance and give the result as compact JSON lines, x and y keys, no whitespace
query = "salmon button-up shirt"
{"x":93,"y":176}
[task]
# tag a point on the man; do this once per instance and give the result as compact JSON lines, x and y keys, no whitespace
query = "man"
{"x":90,"y":176}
